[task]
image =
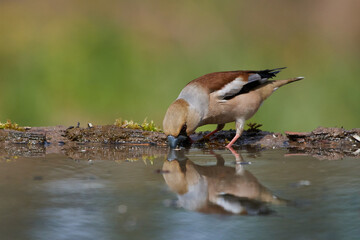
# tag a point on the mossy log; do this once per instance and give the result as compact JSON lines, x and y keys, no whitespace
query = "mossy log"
{"x":329,"y":143}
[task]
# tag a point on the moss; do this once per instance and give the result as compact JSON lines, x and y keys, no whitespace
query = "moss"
{"x":127,"y":124}
{"x":150,"y":126}
{"x":12,"y":126}
{"x":146,"y":126}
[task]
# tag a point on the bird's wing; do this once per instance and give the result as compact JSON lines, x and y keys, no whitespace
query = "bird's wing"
{"x":255,"y":79}
{"x":227,"y":85}
{"x":242,"y":204}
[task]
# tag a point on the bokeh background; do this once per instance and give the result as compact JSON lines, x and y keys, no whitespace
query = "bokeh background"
{"x":94,"y":61}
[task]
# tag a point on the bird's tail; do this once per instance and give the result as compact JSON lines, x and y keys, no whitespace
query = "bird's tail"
{"x":270,"y":86}
{"x":279,"y":83}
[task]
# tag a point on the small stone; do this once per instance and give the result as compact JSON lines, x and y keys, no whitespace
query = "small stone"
{"x":356,"y":137}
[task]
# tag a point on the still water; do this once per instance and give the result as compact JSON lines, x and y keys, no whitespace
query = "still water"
{"x":197,"y":195}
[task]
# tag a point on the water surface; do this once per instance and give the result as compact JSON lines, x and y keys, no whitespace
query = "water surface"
{"x":197,"y":195}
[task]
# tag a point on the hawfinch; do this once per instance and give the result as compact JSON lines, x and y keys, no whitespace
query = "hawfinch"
{"x":219,"y":98}
{"x":217,"y":188}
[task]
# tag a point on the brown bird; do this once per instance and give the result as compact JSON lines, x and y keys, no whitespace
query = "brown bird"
{"x":217,"y":188}
{"x":219,"y":98}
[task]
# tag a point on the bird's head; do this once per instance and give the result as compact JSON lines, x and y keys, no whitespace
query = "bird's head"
{"x":179,"y":122}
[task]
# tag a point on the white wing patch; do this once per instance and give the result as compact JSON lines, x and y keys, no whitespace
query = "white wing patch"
{"x":234,"y":207}
{"x":231,"y":88}
{"x":256,"y":77}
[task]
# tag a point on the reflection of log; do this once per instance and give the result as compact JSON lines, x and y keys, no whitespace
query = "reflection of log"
{"x":28,"y":137}
{"x":114,"y":152}
{"x":18,"y":143}
{"x":24,"y":150}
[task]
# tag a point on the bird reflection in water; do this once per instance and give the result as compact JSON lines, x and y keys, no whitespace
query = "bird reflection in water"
{"x":217,"y":189}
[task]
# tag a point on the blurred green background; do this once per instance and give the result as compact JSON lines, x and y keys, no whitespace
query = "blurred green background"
{"x":94,"y":61}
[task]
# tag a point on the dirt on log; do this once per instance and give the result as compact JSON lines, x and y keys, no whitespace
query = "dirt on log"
{"x":109,"y":140}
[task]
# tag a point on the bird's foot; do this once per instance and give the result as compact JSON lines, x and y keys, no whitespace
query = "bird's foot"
{"x":233,"y":140}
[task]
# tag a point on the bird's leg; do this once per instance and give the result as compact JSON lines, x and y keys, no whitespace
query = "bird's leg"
{"x":237,"y":156}
{"x":239,"y":129}
{"x":218,"y":128}
{"x":219,"y":159}
{"x":239,"y":161}
{"x":239,"y":166}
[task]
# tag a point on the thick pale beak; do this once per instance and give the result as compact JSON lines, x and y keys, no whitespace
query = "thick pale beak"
{"x":180,"y":141}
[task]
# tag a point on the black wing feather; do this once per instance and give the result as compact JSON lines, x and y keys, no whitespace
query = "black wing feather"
{"x":268,"y":73}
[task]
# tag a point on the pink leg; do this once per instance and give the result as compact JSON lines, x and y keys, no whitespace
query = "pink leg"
{"x":208,"y":135}
{"x":232,"y":141}
{"x":218,"y":128}
{"x":236,"y":155}
{"x":239,"y":160}
{"x":239,"y":129}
